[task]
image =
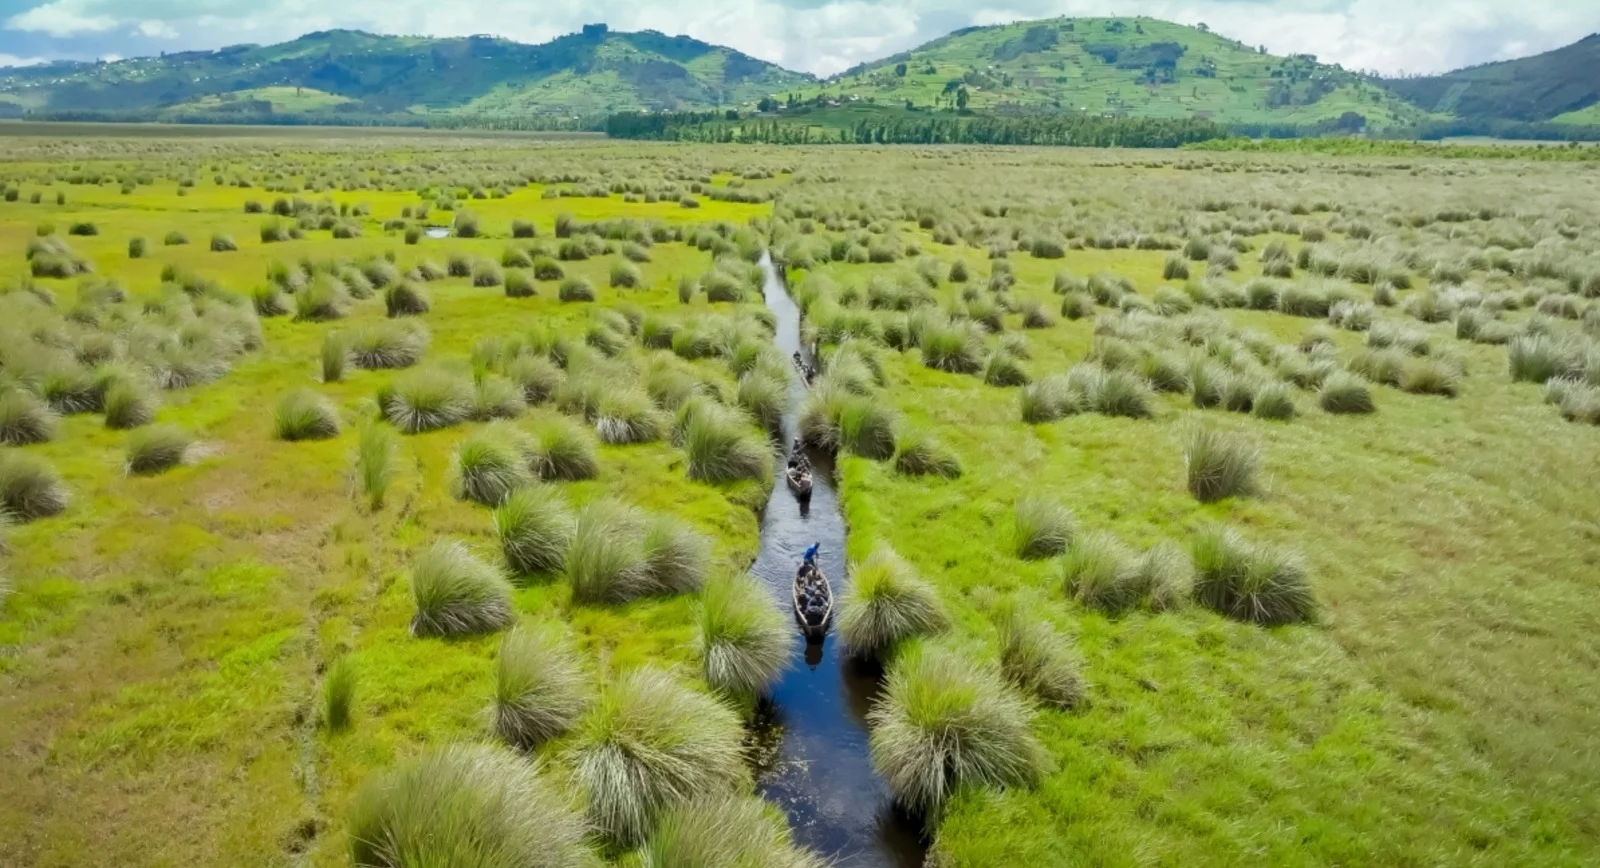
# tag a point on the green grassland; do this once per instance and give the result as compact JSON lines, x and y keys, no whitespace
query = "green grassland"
{"x":283,"y":99}
{"x":166,"y":634}
{"x":166,"y":637}
{"x":1137,"y":67}
{"x":1404,"y":726}
{"x":1582,"y":117}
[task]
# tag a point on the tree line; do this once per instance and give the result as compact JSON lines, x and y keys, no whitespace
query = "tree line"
{"x":1056,"y":130}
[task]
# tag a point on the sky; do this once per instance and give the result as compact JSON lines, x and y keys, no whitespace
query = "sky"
{"x":822,"y":37}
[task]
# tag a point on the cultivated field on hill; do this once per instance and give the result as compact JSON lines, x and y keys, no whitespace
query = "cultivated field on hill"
{"x":365,"y":497}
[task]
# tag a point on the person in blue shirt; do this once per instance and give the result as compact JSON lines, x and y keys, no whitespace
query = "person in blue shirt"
{"x":811,"y":553}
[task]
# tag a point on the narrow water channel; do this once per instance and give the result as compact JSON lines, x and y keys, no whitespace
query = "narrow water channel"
{"x":813,"y":731}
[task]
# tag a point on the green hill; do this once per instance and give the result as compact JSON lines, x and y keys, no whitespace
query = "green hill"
{"x":359,"y":75}
{"x":1134,"y":67}
{"x":1562,"y":86}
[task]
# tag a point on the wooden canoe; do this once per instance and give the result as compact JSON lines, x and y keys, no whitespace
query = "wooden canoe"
{"x":813,"y":630}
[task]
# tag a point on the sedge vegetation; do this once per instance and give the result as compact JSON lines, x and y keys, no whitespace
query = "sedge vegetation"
{"x":506,"y":477}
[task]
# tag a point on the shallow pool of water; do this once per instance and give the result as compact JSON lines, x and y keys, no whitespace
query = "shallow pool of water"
{"x":437,"y":232}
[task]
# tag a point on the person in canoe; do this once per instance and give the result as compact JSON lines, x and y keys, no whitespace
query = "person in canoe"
{"x":812,"y":587}
{"x":797,"y":457}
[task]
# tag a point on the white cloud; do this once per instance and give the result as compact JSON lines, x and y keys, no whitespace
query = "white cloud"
{"x":826,"y":36}
{"x":157,"y":30}
{"x":13,"y":60}
{"x":63,"y":18}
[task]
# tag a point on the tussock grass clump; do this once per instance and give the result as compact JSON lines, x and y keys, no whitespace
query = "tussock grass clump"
{"x":732,"y":830}
{"x":1430,"y":377}
{"x":1077,"y":305}
{"x":458,"y":594}
{"x":1034,"y":315}
{"x":1168,"y":301}
{"x":1039,"y":660}
{"x":1379,"y":366}
{"x":540,"y":690}
{"x":677,"y":557}
{"x":519,"y":285}
{"x":1165,"y":372}
{"x":1250,"y":582}
{"x":606,"y":562}
{"x":866,"y":428}
{"x":545,"y":268}
{"x":562,"y":451}
{"x":722,"y":448}
{"x":1111,"y":393}
{"x":375,"y":463}
{"x":1345,"y":393}
{"x":619,"y":554}
{"x":1163,"y":577}
{"x":1536,"y":358}
{"x":338,"y":694}
{"x":406,"y":298}
{"x":487,"y":274}
{"x":953,"y":347}
{"x":650,"y":745}
{"x":1042,"y":528}
{"x":1219,"y":464}
{"x":535,"y":528}
{"x":157,"y":449}
{"x":576,"y":289}
{"x":269,"y":301}
{"x":1099,"y":572}
{"x":1352,"y":315}
{"x":465,"y":805}
{"x":488,"y":466}
{"x":538,"y":377}
{"x":1176,"y":268}
{"x":943,"y":724}
{"x":24,"y":419}
{"x":625,"y":275}
{"x":426,"y":400}
{"x":516,"y":257}
{"x":919,"y":454}
{"x":29,"y":487}
{"x":1004,"y":370}
{"x":324,"y":298}
{"x":765,"y":396}
{"x":387,"y":345}
{"x":335,"y":353}
{"x":627,"y":415}
{"x":305,"y":415}
{"x":885,"y":604}
{"x":1048,"y":400}
{"x":743,"y":641}
{"x":1577,"y":401}
{"x":129,"y":404}
{"x":1274,"y":400}
{"x":221,"y":243}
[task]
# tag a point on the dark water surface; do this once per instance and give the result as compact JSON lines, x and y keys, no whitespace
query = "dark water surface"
{"x":813,"y":731}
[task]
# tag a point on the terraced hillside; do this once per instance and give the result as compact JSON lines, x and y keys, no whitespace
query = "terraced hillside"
{"x":1137,"y":67}
{"x":355,"y":75}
